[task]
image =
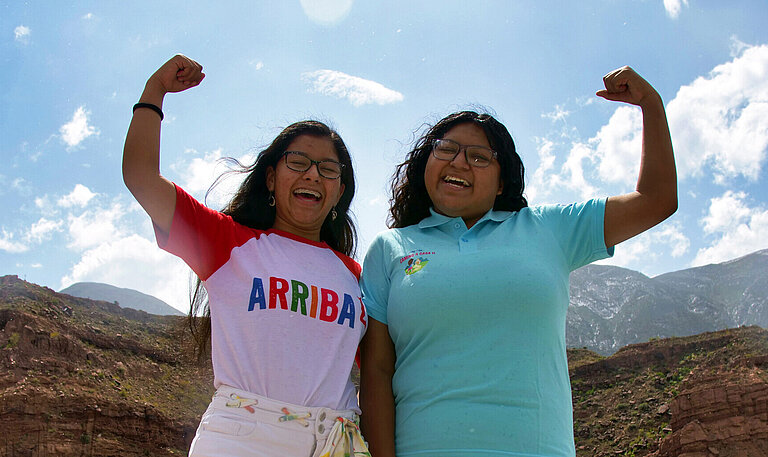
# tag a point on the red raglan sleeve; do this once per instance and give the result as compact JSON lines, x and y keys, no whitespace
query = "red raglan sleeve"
{"x":200,"y":236}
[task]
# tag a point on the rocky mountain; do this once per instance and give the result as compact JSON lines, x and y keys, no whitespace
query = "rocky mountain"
{"x":699,"y":396}
{"x":89,"y":378}
{"x":611,"y":307}
{"x":126,"y":298}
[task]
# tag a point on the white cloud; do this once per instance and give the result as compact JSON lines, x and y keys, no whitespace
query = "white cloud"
{"x":197,"y":175}
{"x":21,"y":34}
{"x":358,"y":91}
{"x":673,"y":7}
{"x":22,"y":186}
{"x":543,"y":180}
{"x":137,"y":263}
{"x":80,"y":196}
{"x":95,"y":226}
{"x":8,"y":245}
{"x":738,"y":228}
{"x":111,"y":251}
{"x":726,"y":212}
{"x":77,"y":129}
{"x":257,"y":64}
{"x":326,"y":12}
{"x":618,"y":145}
{"x":42,"y":230}
{"x":611,"y":156}
{"x":88,"y":16}
{"x":718,"y":121}
{"x":558,"y":114}
{"x":643,"y":250}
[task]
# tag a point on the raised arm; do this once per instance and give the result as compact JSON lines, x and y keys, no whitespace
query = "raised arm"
{"x":141,"y":153}
{"x":377,"y":402}
{"x":655,"y":196}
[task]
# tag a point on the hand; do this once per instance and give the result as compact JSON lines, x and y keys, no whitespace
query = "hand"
{"x":178,"y":74}
{"x":624,"y":85}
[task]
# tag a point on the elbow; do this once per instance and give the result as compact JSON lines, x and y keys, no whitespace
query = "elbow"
{"x":667,"y":208}
{"x":130,"y":178}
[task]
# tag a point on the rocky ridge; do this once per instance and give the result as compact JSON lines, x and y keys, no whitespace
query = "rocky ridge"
{"x":88,"y":378}
{"x":611,"y":307}
{"x":83,"y":377}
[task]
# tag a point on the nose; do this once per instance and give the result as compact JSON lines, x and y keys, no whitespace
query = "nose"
{"x":460,"y":159}
{"x":313,"y":172}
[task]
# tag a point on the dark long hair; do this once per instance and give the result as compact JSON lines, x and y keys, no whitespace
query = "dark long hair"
{"x":410,"y":201}
{"x":249,"y":206}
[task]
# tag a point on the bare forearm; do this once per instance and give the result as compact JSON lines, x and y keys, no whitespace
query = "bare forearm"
{"x":658,"y":177}
{"x":378,"y":419}
{"x":141,"y":153}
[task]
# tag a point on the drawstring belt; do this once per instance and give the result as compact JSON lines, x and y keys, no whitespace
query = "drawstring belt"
{"x":345,"y":440}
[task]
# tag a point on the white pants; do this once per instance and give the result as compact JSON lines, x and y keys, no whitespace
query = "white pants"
{"x":242,"y":424}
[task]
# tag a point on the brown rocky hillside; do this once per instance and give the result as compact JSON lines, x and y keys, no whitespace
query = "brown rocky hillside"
{"x":87,"y":378}
{"x":699,"y":396}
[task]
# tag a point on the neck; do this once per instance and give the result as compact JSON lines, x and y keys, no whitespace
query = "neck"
{"x":310,"y":234}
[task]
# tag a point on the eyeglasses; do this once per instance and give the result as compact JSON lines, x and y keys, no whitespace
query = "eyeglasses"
{"x":298,"y":161}
{"x":477,"y":156}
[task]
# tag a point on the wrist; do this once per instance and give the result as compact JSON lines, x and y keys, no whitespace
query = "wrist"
{"x":154,"y":93}
{"x":651,"y":102}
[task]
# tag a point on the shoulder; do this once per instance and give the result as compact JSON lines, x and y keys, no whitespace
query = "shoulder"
{"x":350,"y":263}
{"x":568,"y":210}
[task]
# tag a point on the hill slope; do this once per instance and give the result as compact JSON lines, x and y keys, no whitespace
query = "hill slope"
{"x":126,"y":298}
{"x":84,"y":377}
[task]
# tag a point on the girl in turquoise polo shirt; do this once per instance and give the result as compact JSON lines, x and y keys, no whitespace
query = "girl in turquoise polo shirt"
{"x":467,"y":294}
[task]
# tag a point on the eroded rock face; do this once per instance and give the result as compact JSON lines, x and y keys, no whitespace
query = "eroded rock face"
{"x":720,"y":416}
{"x":83,"y":378}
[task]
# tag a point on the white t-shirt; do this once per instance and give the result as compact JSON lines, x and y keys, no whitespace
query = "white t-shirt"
{"x":286,"y":312}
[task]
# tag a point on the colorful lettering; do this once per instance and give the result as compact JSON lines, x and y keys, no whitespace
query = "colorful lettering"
{"x":362,"y":312}
{"x":323,"y":304}
{"x":278,"y":287}
{"x":257,"y":295}
{"x":328,"y":305}
{"x":313,"y":307}
{"x":347,"y":312}
{"x":299,"y":294}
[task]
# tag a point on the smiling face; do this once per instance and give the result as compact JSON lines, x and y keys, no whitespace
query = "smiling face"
{"x":304,"y":199}
{"x":458,"y":189}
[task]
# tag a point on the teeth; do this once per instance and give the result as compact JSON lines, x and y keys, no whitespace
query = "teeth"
{"x":307,"y":192}
{"x":454,"y":180}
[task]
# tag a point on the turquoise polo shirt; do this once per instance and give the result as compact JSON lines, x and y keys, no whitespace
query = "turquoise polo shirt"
{"x":477,"y":318}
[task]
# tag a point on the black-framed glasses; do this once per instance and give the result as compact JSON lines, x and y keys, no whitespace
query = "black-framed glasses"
{"x":477,"y":156}
{"x":298,"y":161}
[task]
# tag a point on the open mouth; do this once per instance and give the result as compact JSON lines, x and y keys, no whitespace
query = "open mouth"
{"x":456,"y":181}
{"x":307,"y":194}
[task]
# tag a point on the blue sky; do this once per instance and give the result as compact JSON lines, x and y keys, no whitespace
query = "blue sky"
{"x":377,"y":71}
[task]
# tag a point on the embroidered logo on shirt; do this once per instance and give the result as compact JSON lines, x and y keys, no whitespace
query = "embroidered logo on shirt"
{"x":415,"y":261}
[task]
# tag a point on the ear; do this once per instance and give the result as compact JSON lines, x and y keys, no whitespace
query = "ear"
{"x":271,"y":179}
{"x":501,"y":187}
{"x":341,"y":193}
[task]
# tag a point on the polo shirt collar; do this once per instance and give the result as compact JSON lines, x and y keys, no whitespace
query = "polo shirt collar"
{"x":436,"y":219}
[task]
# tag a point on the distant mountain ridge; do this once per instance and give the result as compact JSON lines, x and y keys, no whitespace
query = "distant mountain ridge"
{"x":126,"y":298}
{"x":611,"y":307}
{"x":89,"y":378}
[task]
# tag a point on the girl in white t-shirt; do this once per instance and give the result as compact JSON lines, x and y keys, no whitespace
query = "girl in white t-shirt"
{"x":281,"y":306}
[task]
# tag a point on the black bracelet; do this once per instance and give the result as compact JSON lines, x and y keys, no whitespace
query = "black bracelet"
{"x":154,"y":108}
